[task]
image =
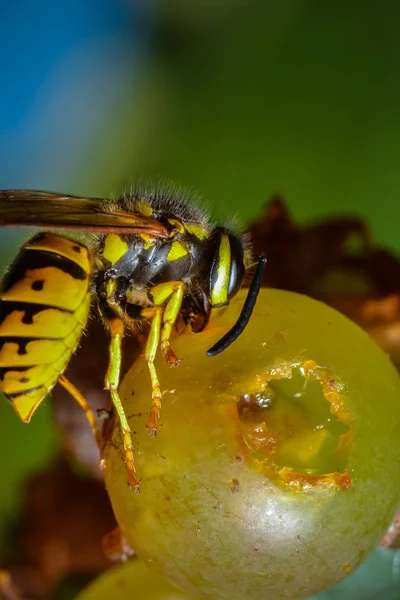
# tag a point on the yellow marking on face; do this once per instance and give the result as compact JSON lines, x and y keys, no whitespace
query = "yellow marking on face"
{"x":177,"y":224}
{"x":144,"y":208}
{"x":114,"y":248}
{"x":197,"y":230}
{"x":177,"y":250}
{"x":57,"y":244}
{"x":219,"y":292}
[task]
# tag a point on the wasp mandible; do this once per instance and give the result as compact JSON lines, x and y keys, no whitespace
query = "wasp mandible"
{"x":150,"y":255}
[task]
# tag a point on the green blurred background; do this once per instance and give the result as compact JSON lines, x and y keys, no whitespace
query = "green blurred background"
{"x":236,"y":99}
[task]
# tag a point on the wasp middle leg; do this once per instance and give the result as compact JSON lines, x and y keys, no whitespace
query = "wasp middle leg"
{"x":153,"y":313}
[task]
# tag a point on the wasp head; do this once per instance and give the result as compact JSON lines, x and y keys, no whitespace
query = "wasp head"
{"x":228,"y":267}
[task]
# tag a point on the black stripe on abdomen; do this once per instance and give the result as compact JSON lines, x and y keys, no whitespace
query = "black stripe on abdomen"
{"x":24,"y":341}
{"x":30,"y":310}
{"x":19,"y":369}
{"x":28,"y":260}
{"x":13,"y":395}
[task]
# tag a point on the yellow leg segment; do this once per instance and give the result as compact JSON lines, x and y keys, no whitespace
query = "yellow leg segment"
{"x":173,"y":290}
{"x":75,"y":393}
{"x":111,"y":383}
{"x":155,"y":315}
{"x":169,"y":318}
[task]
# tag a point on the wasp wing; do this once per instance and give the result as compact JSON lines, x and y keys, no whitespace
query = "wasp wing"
{"x":47,"y":210}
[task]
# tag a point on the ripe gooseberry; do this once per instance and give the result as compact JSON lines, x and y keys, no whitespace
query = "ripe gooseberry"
{"x":277,"y":465}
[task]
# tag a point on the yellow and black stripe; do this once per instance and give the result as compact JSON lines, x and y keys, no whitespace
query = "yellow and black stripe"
{"x":44,"y":306}
{"x":220,"y":272}
{"x":228,"y":269}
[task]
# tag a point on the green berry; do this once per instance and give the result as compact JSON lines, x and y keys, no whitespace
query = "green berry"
{"x":276,"y":466}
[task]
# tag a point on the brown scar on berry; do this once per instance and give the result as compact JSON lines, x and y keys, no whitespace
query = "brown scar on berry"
{"x":347,"y":568}
{"x":302,"y":481}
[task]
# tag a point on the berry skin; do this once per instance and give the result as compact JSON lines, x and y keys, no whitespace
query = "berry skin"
{"x":276,"y":468}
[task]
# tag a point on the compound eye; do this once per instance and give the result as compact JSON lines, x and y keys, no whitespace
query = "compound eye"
{"x":236,"y":278}
{"x":237,"y":270}
{"x":227,"y":271}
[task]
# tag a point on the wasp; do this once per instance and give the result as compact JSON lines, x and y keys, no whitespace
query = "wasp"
{"x":149,"y":256}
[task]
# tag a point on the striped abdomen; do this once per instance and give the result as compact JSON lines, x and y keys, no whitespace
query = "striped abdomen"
{"x":44,"y":306}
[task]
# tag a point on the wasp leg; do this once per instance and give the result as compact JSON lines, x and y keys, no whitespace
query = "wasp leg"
{"x":116,"y":328}
{"x":171,"y":313}
{"x":75,"y":393}
{"x":173,"y":290}
{"x":155,"y":314}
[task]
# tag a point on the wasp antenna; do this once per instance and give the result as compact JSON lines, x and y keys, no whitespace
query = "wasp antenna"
{"x":245,"y":314}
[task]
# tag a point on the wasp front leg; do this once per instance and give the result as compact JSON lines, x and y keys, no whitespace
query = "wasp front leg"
{"x":162,"y":321}
{"x":174,"y":290}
